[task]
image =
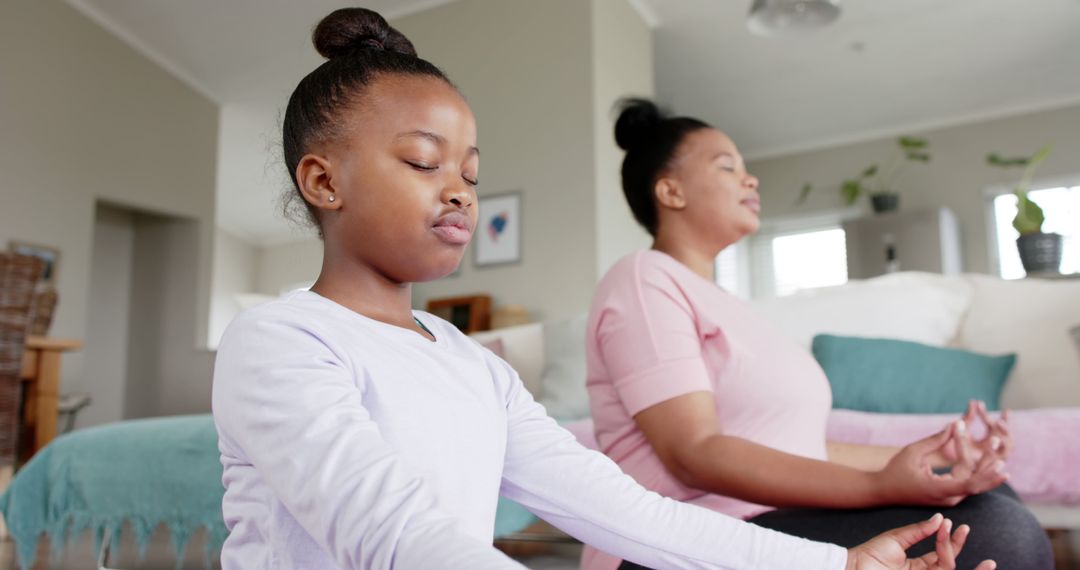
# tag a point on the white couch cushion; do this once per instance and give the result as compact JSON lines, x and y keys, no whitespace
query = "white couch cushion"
{"x":1031,"y":317}
{"x":562,"y":388}
{"x":523,"y":348}
{"x":919,"y":307}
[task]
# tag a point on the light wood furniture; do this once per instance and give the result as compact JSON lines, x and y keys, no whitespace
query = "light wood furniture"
{"x":41,"y":377}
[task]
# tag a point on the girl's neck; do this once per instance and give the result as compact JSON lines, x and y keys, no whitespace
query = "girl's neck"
{"x":367,"y":292}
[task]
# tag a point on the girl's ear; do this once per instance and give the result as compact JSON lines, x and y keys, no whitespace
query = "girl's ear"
{"x":669,"y":194}
{"x":313,"y":178}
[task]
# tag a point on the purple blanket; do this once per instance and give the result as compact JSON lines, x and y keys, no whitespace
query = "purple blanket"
{"x":1045,"y":464}
{"x":1044,"y":467}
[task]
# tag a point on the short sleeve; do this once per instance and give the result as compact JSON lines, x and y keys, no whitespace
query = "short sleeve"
{"x":646,"y":334}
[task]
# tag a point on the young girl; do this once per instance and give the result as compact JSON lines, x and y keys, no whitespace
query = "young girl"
{"x":357,"y":433}
{"x":700,"y":399}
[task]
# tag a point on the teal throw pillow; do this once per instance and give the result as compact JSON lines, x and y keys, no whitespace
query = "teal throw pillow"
{"x":901,"y":377}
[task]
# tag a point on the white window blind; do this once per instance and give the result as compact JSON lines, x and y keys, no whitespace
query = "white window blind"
{"x":786,"y":262}
{"x":731,"y":272}
{"x":1062,"y":209}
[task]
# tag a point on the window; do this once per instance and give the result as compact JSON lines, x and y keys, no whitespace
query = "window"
{"x":808,"y":260}
{"x":1062,"y":209}
{"x":784,"y":258}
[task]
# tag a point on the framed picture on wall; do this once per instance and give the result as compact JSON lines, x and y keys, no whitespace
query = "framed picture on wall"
{"x":498,"y":231}
{"x":50,"y":255}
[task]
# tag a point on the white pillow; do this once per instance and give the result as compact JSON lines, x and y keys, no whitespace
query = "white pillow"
{"x":562,"y":389}
{"x":914,"y":306}
{"x":523,"y":349}
{"x":1031,"y":317}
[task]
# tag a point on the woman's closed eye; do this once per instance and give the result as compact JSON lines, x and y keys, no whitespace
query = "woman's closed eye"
{"x":470,"y":181}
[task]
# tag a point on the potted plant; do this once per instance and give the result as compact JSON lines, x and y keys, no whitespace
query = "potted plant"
{"x":1039,"y":251}
{"x":880,"y":184}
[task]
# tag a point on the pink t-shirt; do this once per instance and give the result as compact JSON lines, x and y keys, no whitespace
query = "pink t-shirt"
{"x":656,"y":331}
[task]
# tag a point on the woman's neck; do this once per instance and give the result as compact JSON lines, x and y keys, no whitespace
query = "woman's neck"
{"x":700,"y":259}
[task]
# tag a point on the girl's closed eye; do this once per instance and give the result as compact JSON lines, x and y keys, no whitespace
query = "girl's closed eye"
{"x":421,"y":165}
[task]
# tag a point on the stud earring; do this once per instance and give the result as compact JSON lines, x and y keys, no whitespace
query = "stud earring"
{"x":331,"y":198}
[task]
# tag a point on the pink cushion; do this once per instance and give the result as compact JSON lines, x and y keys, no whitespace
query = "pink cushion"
{"x":1045,"y":464}
{"x":1044,"y":467}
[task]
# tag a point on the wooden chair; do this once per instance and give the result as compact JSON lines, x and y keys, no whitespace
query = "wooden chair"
{"x":19,"y":275}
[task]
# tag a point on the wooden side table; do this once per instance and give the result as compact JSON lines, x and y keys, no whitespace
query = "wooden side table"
{"x":41,"y":377}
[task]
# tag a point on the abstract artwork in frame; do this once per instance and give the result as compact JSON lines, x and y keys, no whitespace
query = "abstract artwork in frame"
{"x":498,"y":231}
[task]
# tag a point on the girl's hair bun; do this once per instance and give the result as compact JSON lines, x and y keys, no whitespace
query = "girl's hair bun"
{"x":637,"y":122}
{"x":344,"y":31}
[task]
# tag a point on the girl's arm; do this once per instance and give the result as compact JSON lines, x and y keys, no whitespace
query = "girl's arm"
{"x":287,"y":405}
{"x":695,"y":452}
{"x":586,"y":495}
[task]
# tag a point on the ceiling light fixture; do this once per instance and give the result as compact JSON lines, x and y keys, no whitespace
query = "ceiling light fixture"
{"x":774,"y":17}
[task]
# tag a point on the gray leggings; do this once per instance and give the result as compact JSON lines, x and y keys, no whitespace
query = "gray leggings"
{"x":1001,"y":529}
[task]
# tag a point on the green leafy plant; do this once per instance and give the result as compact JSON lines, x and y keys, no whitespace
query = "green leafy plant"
{"x":1029,"y":216}
{"x":874,"y":181}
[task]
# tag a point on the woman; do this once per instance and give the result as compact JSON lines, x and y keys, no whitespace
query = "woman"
{"x":700,"y":399}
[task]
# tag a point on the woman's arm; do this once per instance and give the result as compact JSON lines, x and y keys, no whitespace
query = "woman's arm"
{"x":694,"y":451}
{"x":857,"y":456}
{"x":997,"y":440}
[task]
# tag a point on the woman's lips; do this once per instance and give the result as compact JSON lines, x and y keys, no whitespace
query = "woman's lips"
{"x":754,"y":204}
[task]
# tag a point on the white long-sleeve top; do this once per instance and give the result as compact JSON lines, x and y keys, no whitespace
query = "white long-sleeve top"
{"x":351,"y":443}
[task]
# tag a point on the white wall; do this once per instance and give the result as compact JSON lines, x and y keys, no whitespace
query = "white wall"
{"x":955,"y":178}
{"x":622,"y":49}
{"x":235,"y":271}
{"x":84,"y":118}
{"x":288,"y":265}
{"x":104,"y":374}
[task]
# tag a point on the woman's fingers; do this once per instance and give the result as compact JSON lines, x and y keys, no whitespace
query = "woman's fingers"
{"x":964,"y":453}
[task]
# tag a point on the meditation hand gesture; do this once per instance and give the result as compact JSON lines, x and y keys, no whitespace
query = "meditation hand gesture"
{"x":996,"y":441}
{"x":888,"y":551}
{"x":909,"y":477}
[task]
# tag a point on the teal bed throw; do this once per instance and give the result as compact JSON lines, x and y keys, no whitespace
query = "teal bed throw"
{"x":143,"y":472}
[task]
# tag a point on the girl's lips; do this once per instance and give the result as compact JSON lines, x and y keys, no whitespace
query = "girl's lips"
{"x":453,"y":235}
{"x":754,"y":204}
{"x":454,"y":228}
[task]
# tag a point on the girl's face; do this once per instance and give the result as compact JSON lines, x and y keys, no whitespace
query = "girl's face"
{"x":404,"y":178}
{"x":721,"y":199}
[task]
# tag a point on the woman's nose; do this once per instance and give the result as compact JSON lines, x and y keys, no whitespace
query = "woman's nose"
{"x":751,"y":181}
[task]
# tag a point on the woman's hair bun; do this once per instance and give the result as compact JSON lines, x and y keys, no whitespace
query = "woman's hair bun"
{"x":347,"y":30}
{"x":637,"y":122}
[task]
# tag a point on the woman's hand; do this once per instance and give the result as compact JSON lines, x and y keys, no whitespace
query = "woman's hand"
{"x":998,"y":440}
{"x":909,"y":478}
{"x":888,"y":551}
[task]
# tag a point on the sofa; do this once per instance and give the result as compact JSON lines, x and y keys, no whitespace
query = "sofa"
{"x":1035,"y":319}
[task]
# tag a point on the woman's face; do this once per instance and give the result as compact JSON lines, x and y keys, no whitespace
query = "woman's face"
{"x":721,"y":199}
{"x":404,"y":177}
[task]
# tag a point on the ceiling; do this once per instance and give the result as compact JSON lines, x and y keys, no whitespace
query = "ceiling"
{"x":886,"y":67}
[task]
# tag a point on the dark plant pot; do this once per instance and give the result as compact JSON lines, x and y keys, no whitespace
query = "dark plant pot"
{"x":1040,"y":253}
{"x":882,"y":203}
